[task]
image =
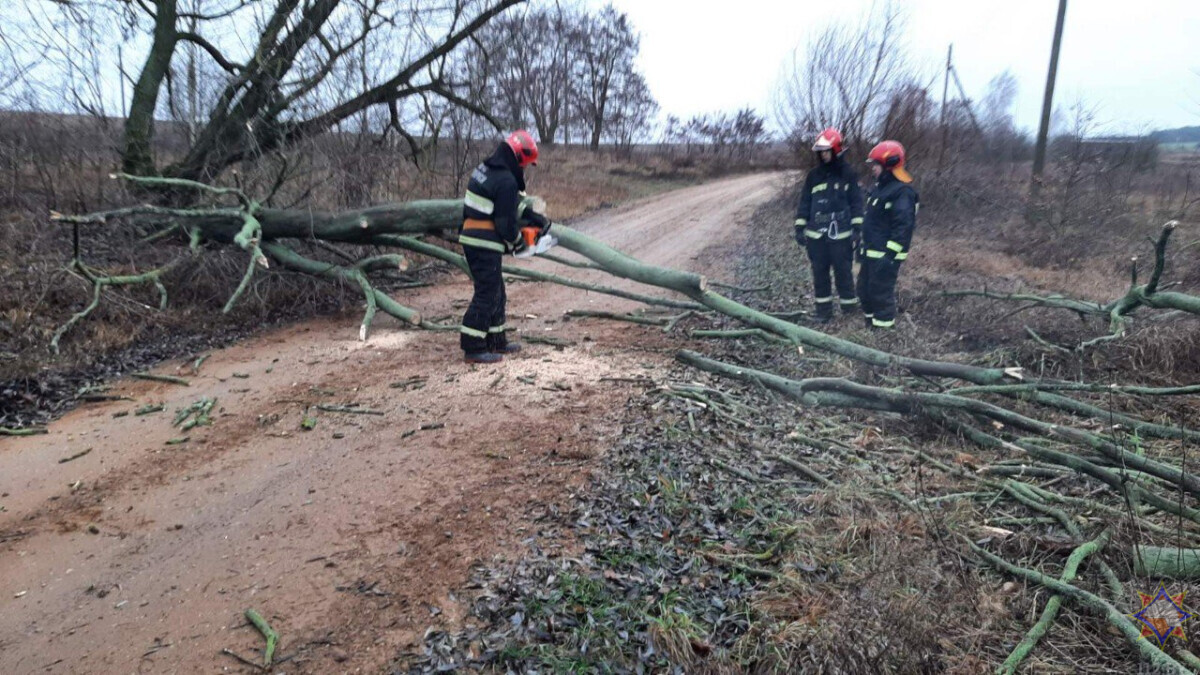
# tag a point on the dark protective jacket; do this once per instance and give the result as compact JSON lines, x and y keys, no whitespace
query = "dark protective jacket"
{"x":831,"y":204}
{"x":494,"y":196}
{"x":890,"y":218}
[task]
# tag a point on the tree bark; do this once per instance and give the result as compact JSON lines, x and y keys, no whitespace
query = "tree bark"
{"x":138,"y":154}
{"x":1166,"y":562}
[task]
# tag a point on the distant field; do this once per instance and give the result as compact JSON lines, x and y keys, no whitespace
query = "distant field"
{"x":1180,"y":148}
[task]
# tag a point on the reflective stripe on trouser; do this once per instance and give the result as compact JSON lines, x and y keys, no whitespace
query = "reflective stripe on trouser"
{"x":485,"y":314}
{"x":877,"y":290}
{"x":836,"y":256}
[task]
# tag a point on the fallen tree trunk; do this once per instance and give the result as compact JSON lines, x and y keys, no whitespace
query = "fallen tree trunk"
{"x":366,"y":226}
{"x":696,"y":287}
{"x":375,"y":299}
{"x":1117,"y":311}
{"x":1167,"y":562}
{"x":812,"y":392}
{"x":433,"y":251}
{"x":394,"y":224}
{"x":845,"y":394}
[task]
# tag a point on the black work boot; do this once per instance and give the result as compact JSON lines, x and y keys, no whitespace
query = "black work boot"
{"x":824,"y":313}
{"x":498,"y":344}
{"x":485,"y":358}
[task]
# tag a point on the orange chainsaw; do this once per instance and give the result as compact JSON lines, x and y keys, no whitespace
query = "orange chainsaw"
{"x":535,"y":232}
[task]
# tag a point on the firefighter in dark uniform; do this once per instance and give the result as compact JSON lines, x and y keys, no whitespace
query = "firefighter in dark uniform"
{"x":492,"y":219}
{"x":890,"y":219}
{"x":827,"y":224}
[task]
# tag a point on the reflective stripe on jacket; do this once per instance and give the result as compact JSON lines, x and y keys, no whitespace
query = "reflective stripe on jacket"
{"x":891,"y":217}
{"x":831,"y":202}
{"x":494,"y":195}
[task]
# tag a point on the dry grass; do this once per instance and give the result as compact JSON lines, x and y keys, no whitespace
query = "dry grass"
{"x":575,"y":182}
{"x":872,"y":588}
{"x":958,"y":262}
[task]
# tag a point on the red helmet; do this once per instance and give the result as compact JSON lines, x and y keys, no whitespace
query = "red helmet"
{"x":830,"y":139}
{"x":890,"y":155}
{"x":524,"y":147}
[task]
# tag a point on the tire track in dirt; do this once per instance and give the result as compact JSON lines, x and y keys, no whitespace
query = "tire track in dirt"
{"x":350,"y":538}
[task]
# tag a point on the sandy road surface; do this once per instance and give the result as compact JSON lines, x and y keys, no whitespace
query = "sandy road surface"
{"x":353,"y":537}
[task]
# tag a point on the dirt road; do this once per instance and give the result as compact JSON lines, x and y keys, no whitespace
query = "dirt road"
{"x":351,"y":538}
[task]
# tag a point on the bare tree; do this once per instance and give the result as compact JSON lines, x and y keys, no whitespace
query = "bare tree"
{"x":607,"y":47}
{"x":280,"y":62}
{"x":672,"y":134}
{"x":721,"y":135}
{"x":749,"y":132}
{"x":997,"y":105}
{"x":561,"y":69}
{"x":15,"y":64}
{"x":844,"y":78}
{"x":1002,"y":138}
{"x":1090,"y":180}
{"x":549,"y":90}
{"x":632,"y":109}
{"x":526,"y":59}
{"x":910,"y":115}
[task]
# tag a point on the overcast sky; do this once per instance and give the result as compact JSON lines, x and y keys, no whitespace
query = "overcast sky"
{"x":1137,"y":62}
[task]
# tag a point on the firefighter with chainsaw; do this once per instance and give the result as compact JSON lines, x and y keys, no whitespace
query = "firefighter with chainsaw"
{"x":827,"y":224}
{"x":498,"y":218}
{"x":891,"y":217}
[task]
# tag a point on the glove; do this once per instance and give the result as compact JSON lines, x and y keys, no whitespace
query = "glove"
{"x":518,"y":246}
{"x":527,"y":241}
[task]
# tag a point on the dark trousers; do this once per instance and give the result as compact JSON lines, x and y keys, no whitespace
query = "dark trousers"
{"x":836,"y":255}
{"x":483,"y":324}
{"x":877,"y":290}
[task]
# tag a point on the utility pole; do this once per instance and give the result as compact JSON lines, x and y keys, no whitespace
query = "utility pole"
{"x":945,"y":92}
{"x":1039,"y":153}
{"x":193,"y":84}
{"x":121,"y":80}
